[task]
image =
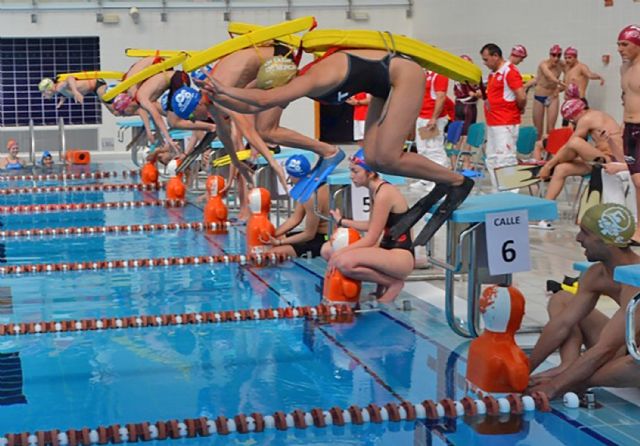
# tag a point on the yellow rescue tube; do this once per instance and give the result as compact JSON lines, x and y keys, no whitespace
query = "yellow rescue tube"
{"x":139,"y":52}
{"x":143,"y":75}
{"x":87,"y":75}
{"x":241,"y":28}
{"x":255,"y":37}
{"x":428,"y":56}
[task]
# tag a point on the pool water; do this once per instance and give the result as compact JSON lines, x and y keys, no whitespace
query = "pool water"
{"x":70,"y":380}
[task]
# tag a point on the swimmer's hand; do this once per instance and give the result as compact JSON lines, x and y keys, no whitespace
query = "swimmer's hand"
{"x":614,"y":168}
{"x":211,"y":86}
{"x":545,"y":172}
{"x":336,"y":215}
{"x":78,"y":98}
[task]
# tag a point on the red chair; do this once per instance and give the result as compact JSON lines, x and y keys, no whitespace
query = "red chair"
{"x":558,"y":138}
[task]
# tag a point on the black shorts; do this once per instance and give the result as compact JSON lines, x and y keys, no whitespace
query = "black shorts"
{"x":313,"y":246}
{"x":467,"y":113}
{"x":631,"y":141}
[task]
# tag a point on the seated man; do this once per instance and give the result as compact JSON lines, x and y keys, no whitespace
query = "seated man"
{"x":311,"y":238}
{"x":605,"y":234}
{"x":572,"y":159}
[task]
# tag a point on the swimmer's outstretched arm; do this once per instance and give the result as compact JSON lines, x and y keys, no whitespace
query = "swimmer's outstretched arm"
{"x":73,"y":87}
{"x":264,"y":99}
{"x":178,"y":123}
{"x":158,"y":121}
{"x":144,"y":116}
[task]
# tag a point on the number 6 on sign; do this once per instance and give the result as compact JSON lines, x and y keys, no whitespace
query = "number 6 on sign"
{"x":508,"y":242}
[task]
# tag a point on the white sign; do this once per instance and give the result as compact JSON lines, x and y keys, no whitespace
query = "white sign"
{"x":360,"y":202}
{"x":508,"y":242}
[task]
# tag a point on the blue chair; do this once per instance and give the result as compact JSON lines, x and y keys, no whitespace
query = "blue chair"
{"x":527,"y":137}
{"x":475,"y":141}
{"x":454,"y":133}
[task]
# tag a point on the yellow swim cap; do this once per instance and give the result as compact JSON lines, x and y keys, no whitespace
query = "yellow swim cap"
{"x":276,"y":72}
{"x":613,"y":223}
{"x":46,"y":84}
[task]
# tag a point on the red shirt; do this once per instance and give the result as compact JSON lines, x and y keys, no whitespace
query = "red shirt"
{"x":500,"y":107}
{"x":436,"y":83}
{"x":360,"y":111}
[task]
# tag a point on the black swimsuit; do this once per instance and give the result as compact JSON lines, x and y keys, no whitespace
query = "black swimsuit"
{"x":404,"y":240}
{"x":99,"y":83}
{"x":370,"y":76}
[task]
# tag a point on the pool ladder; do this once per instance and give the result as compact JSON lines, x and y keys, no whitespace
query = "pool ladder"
{"x":632,"y":345}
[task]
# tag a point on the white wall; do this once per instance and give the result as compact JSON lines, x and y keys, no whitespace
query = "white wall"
{"x":464,"y":26}
{"x":185,"y":30}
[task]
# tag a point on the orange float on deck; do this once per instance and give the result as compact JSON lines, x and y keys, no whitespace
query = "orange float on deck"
{"x":496,"y":363}
{"x":176,"y":190}
{"x":78,"y":157}
{"x":149,"y":174}
{"x":259,"y":227}
{"x":338,"y":288}
{"x":215,"y":211}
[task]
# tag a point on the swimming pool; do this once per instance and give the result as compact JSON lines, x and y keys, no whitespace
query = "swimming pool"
{"x":68,"y":380}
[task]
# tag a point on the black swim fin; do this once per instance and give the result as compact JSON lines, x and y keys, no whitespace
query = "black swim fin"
{"x":454,"y":198}
{"x":416,"y":211}
{"x":203,"y":146}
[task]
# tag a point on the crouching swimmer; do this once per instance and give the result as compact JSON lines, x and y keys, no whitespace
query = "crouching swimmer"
{"x":388,"y":262}
{"x":311,"y":238}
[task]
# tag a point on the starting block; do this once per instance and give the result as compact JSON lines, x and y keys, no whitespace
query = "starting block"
{"x":630,"y":275}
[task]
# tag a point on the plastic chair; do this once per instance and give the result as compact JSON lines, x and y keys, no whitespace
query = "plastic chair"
{"x":526,"y":142}
{"x":558,"y":138}
{"x":454,"y":133}
{"x":475,"y":141}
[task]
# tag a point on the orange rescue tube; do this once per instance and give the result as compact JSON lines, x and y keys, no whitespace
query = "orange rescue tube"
{"x":78,"y":157}
{"x":337,"y":287}
{"x":496,"y":363}
{"x":259,"y":227}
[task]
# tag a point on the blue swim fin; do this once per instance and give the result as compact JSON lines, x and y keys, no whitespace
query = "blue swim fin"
{"x":318,"y":176}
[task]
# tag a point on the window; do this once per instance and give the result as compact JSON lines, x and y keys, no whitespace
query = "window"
{"x":25,"y":61}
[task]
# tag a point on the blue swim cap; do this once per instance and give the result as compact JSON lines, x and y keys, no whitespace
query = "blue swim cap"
{"x":297,"y":166}
{"x":164,"y":99}
{"x":358,"y":158}
{"x":184,"y":101}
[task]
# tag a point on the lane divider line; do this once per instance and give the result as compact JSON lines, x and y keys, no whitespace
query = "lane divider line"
{"x":35,"y":208}
{"x":71,"y":176}
{"x":326,"y":312}
{"x":282,"y":421}
{"x":84,"y":230}
{"x":252,"y":259}
{"x":84,"y":188}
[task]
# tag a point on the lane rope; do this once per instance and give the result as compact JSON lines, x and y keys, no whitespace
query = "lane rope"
{"x":71,"y":176}
{"x":251,"y":259}
{"x":282,"y":421}
{"x":83,"y":188}
{"x":36,"y":208}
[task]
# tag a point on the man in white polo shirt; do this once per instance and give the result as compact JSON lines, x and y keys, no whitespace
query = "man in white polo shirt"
{"x":504,"y":101}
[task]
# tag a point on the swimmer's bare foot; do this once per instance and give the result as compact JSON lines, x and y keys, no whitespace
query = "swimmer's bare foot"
{"x":392,"y":291}
{"x":243,"y":215}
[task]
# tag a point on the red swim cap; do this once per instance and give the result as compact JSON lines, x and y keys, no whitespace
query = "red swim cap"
{"x":572,"y":108}
{"x":519,"y":51}
{"x":631,"y":34}
{"x":571,"y":51}
{"x":466,"y":57}
{"x":555,"y":49}
{"x":573,"y":92}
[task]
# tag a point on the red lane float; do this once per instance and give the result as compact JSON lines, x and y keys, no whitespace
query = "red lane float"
{"x":242,"y":423}
{"x":26,"y":209}
{"x":83,"y":188}
{"x":84,"y":230}
{"x":255,"y":260}
{"x":70,"y":176}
